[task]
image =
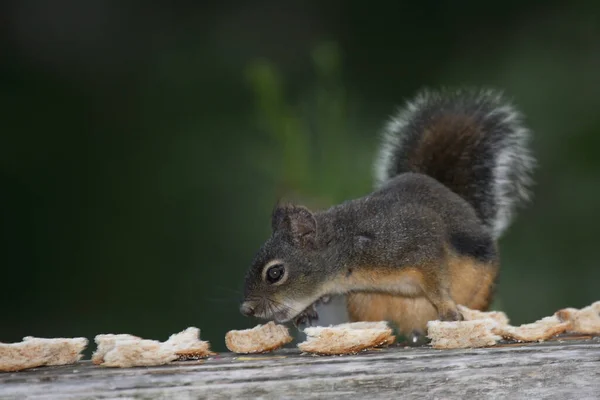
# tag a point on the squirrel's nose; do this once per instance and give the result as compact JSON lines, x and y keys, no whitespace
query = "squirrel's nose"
{"x":246,"y":309}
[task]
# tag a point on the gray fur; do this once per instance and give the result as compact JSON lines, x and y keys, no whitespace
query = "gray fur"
{"x":407,"y":221}
{"x":452,"y":168}
{"x":506,"y":141}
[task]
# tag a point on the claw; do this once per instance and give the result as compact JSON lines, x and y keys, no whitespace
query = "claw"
{"x":307,"y":317}
{"x":311,"y":312}
{"x":299,"y":320}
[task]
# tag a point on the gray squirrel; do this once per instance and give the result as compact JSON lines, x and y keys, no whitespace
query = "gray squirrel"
{"x":452,"y":169}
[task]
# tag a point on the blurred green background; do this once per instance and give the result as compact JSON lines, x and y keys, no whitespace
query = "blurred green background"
{"x":143,"y":145}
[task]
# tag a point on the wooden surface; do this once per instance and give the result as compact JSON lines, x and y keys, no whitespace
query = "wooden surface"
{"x":566,"y":369}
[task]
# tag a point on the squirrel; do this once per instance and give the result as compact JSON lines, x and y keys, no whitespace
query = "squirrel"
{"x":452,"y":168}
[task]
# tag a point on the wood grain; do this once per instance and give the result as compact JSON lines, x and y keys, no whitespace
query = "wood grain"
{"x":552,"y":370}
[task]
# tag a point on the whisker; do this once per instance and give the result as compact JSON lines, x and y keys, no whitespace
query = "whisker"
{"x":285,"y":306}
{"x":255,"y":299}
{"x":264,"y":305}
{"x":272,"y":310}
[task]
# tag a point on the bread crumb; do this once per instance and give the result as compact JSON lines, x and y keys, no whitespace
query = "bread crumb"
{"x":126,"y":351}
{"x":476,"y":330}
{"x":260,"y":339}
{"x":584,"y":321}
{"x":107,"y":342}
{"x":462,"y":334}
{"x":347,"y":338}
{"x":188,"y":346}
{"x":457,"y":334}
{"x":36,"y":352}
{"x":471,"y":315}
{"x":540,"y":330}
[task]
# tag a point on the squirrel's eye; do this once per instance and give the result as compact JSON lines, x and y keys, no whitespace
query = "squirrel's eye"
{"x":275,"y":273}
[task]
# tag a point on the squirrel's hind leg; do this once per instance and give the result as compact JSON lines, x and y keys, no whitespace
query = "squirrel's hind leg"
{"x":438,"y":292}
{"x":409,"y":314}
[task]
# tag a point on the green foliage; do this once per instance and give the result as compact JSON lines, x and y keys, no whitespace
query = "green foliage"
{"x":312,"y":142}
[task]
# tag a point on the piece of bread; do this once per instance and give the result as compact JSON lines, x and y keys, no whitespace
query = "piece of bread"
{"x":188,"y":346}
{"x":36,"y":352}
{"x":471,"y":315}
{"x":347,"y":338}
{"x":107,"y":342}
{"x":537,"y":331}
{"x":476,"y":330}
{"x":260,"y":339}
{"x":585,"y":321}
{"x":126,"y":351}
{"x":462,"y":334}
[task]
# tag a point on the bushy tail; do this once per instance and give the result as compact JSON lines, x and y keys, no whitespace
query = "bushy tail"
{"x":472,"y":141}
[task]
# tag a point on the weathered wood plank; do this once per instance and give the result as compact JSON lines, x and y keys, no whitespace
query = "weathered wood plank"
{"x":552,"y":370}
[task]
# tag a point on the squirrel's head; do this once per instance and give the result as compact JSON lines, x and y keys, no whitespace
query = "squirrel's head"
{"x":288,"y":273}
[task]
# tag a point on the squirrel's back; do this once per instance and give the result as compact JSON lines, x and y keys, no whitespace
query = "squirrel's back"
{"x":472,"y":141}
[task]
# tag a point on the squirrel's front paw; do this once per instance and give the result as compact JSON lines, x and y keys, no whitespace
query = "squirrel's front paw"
{"x":451,"y":315}
{"x":307,"y":317}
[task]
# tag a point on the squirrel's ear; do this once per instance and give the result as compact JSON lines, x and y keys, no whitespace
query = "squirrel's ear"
{"x":298,"y":221}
